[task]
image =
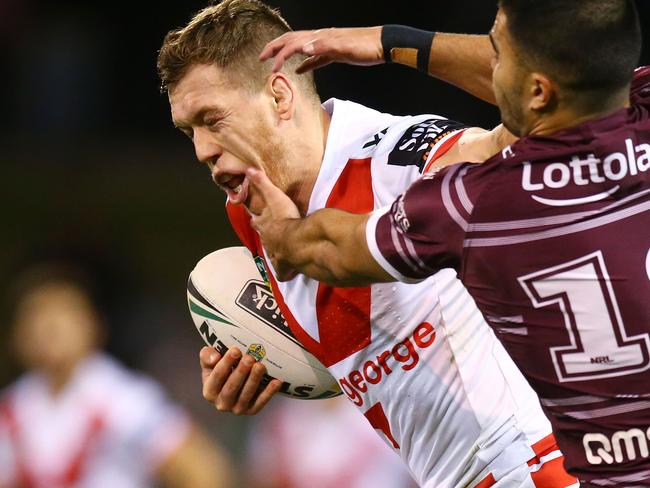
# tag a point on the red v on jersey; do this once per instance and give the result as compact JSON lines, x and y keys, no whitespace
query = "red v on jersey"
{"x":72,"y":472}
{"x":343,"y":314}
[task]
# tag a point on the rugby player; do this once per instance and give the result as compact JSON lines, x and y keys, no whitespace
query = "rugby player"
{"x":77,"y":417}
{"x":418,"y":361}
{"x":551,"y":236}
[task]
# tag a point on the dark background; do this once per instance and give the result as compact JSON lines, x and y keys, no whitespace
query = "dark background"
{"x":92,"y":169}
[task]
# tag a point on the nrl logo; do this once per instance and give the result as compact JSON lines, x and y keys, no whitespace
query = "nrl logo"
{"x":399,"y":214}
{"x":261,"y":267}
{"x":257,"y":351}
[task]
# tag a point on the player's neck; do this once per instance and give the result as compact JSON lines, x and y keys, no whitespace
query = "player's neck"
{"x":311,"y":148}
{"x":58,"y":378}
{"x":568,"y":117}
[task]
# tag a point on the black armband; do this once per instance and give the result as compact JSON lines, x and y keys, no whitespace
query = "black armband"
{"x":393,"y":36}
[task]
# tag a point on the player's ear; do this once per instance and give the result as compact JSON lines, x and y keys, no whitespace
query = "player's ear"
{"x":283,"y":92}
{"x":542,"y":93}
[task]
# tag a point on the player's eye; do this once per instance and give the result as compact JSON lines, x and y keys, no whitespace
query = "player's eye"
{"x":213,"y":123}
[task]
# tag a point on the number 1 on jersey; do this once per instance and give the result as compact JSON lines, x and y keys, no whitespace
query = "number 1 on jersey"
{"x":599,"y":345}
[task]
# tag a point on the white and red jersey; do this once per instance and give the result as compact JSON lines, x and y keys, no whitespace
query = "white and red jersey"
{"x":108,"y":428}
{"x":290,"y":439}
{"x":417,"y":360}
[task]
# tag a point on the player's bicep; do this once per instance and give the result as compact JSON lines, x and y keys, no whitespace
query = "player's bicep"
{"x":475,"y":145}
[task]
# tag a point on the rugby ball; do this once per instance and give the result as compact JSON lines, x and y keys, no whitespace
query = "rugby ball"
{"x":231,"y":304}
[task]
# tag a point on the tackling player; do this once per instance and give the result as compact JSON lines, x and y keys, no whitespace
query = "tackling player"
{"x":551,"y":236}
{"x":416,"y":360}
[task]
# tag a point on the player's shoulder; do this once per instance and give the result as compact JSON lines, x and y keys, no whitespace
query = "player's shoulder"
{"x":640,"y":89}
{"x":354,"y":129}
{"x":413,"y":141}
{"x":120,"y":391}
{"x":399,"y":140}
{"x":101,"y":372}
{"x":25,"y":387}
{"x":423,"y":139}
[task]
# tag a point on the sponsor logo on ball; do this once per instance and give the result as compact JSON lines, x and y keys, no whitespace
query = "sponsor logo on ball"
{"x":258,"y":300}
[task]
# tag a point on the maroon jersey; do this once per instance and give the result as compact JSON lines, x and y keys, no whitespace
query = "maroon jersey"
{"x":552,"y":239}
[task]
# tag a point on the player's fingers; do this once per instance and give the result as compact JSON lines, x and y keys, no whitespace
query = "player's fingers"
{"x":308,"y":43}
{"x":208,"y":359}
{"x":286,"y":52}
{"x":250,"y":389}
{"x":233,"y":385}
{"x":220,"y":373}
{"x":265,"y":396}
{"x":272,"y":47}
{"x":312,"y":63}
{"x":267,"y":190}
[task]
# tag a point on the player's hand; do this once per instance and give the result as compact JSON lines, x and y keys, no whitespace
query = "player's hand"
{"x":232,"y":383}
{"x":272,"y":222}
{"x":360,"y":46}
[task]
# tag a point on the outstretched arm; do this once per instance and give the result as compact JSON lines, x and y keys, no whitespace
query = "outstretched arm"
{"x":329,"y":245}
{"x":460,"y":59}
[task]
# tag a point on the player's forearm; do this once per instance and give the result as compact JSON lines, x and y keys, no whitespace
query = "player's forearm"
{"x":463,"y":60}
{"x":197,"y":463}
{"x":329,"y":246}
{"x":313,"y":246}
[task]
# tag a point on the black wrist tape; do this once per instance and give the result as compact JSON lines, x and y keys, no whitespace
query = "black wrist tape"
{"x":393,"y":36}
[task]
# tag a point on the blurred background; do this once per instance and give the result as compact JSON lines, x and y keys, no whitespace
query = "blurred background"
{"x":93,"y":170}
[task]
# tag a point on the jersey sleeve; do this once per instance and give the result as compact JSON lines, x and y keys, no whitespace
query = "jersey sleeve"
{"x":424,"y":230}
{"x":640,"y":89}
{"x":419,"y":141}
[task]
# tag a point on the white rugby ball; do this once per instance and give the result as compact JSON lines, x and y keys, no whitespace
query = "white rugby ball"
{"x":231,"y":305}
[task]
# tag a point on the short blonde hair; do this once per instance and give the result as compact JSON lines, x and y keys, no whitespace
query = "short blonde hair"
{"x":230,"y":35}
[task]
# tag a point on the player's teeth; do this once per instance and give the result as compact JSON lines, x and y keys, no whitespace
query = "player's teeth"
{"x":238,"y":189}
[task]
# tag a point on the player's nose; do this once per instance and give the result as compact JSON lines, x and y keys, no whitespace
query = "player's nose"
{"x":206,"y":149}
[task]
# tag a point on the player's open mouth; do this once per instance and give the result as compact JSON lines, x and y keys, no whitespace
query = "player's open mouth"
{"x":236,"y":186}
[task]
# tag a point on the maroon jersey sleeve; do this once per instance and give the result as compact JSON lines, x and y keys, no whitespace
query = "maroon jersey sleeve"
{"x":424,"y":230}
